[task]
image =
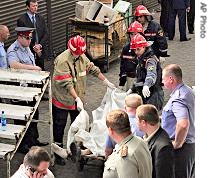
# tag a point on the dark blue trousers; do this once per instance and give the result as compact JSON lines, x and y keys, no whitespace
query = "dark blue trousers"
{"x":185,"y":161}
{"x":182,"y":23}
{"x":59,"y":122}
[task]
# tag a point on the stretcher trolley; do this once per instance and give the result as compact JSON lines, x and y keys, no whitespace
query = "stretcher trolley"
{"x":104,"y":41}
{"x":20,"y":85}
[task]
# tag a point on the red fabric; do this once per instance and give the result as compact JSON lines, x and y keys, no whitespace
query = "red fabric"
{"x":27,"y":33}
{"x":62,"y":77}
{"x":61,"y":105}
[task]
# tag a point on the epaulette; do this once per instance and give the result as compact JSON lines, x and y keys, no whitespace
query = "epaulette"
{"x":16,"y":48}
{"x":124,"y":151}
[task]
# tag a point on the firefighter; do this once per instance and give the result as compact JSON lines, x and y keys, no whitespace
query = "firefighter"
{"x":128,"y":61}
{"x":68,"y":86}
{"x":152,"y":31}
{"x":148,"y":82}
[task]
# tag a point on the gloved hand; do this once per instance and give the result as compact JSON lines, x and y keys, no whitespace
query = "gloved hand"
{"x":79,"y":104}
{"x":145,"y":91}
{"x":109,"y":84}
{"x":129,"y":92}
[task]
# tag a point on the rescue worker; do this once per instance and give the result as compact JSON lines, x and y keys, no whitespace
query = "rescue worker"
{"x":68,"y":86}
{"x":148,"y":82}
{"x":131,"y":158}
{"x":128,"y":61}
{"x":152,"y":31}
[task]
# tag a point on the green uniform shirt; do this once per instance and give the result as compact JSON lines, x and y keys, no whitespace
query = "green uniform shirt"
{"x":70,"y":73}
{"x":131,"y":159}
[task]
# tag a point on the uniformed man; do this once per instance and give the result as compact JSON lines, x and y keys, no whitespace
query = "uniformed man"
{"x":20,"y":56}
{"x":4,"y":34}
{"x":128,"y":61}
{"x":152,"y":31}
{"x":68,"y":86}
{"x":148,"y":83}
{"x":131,"y":157}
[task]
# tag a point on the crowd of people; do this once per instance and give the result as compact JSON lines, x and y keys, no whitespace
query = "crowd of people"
{"x":139,"y":143}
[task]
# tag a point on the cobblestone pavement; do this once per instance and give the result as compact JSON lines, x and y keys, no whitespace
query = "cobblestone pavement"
{"x":182,"y":53}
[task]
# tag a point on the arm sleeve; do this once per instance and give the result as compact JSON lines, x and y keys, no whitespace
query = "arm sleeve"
{"x":179,"y":109}
{"x":151,"y":76}
{"x":162,"y":41}
{"x":90,"y":67}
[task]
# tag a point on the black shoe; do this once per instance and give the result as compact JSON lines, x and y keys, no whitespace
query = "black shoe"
{"x":23,"y":149}
{"x":187,"y":39}
{"x":60,"y":161}
{"x":38,"y":143}
{"x":76,"y":152}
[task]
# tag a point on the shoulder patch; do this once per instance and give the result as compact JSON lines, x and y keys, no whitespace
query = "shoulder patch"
{"x":160,"y":33}
{"x":151,"y":68}
{"x":124,"y":151}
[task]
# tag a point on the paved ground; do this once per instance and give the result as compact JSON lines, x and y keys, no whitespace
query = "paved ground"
{"x":182,"y":53}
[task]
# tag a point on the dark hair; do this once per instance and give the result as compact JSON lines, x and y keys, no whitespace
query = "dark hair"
{"x":29,"y":1}
{"x":35,"y":156}
{"x":118,"y":120}
{"x":149,"y":113}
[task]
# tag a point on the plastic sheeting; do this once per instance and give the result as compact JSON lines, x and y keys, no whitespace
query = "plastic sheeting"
{"x":95,"y":139}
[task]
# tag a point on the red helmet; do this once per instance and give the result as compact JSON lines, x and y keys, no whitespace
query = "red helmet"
{"x":135,"y":27}
{"x":141,"y":10}
{"x":77,"y":45}
{"x":138,"y":41}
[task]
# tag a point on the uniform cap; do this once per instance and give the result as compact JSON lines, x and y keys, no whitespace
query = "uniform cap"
{"x":24,"y":30}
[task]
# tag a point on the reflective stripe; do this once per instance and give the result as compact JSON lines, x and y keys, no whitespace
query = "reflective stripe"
{"x":163,"y":50}
{"x":62,"y":77}
{"x":128,"y":57}
{"x":150,"y":34}
{"x":61,"y":105}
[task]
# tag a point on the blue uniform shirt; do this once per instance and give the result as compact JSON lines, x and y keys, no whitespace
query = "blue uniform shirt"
{"x":20,"y":54}
{"x":180,"y":105}
{"x":110,"y":143}
{"x":3,"y":58}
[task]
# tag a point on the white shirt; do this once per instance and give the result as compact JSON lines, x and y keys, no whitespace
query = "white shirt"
{"x":21,"y":173}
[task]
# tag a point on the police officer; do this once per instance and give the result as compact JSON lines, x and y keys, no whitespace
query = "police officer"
{"x":128,"y":61}
{"x":148,"y":82}
{"x":131,"y":157}
{"x":152,"y":31}
{"x":20,"y":56}
{"x":68,"y":86}
{"x":4,"y":34}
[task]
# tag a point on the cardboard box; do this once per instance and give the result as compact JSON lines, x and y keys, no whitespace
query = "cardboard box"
{"x":96,"y":48}
{"x":107,"y":2}
{"x":82,"y":8}
{"x":98,"y":10}
{"x":122,"y":6}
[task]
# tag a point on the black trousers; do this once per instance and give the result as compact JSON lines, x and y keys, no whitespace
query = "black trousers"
{"x":60,"y":120}
{"x":185,"y":161}
{"x":164,"y":16}
{"x":182,"y":23}
{"x":191,"y":17}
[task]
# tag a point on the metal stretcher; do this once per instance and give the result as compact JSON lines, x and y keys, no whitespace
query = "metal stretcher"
{"x":11,"y":88}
